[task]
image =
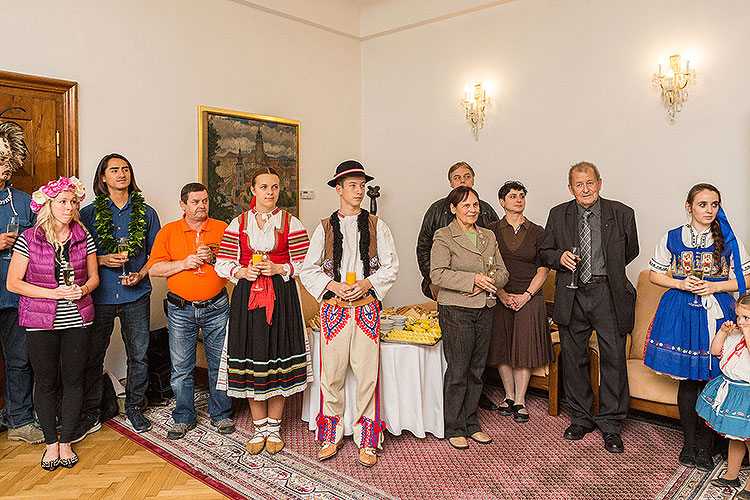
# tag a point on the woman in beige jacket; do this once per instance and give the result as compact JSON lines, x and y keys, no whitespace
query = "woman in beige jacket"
{"x":459,"y":262}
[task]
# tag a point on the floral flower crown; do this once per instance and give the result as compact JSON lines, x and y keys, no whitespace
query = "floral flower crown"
{"x":53,"y":188}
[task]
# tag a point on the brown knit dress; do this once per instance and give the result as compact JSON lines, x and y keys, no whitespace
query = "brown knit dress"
{"x":520,"y":338}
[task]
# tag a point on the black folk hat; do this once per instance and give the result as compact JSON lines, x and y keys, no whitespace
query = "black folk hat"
{"x":347,"y":168}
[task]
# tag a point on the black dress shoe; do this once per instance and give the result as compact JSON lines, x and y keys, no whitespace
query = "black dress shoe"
{"x":575,"y":432}
{"x":687,"y":457}
{"x":613,"y":442}
{"x":486,"y":403}
{"x":720,"y":482}
{"x":704,"y":461}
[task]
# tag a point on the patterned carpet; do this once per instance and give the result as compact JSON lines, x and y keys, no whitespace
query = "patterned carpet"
{"x":525,"y":461}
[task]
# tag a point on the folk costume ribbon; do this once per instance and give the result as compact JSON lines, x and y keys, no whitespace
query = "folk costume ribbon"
{"x":731,"y":241}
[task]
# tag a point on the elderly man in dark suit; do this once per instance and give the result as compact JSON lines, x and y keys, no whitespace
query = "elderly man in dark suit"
{"x":604,"y":300}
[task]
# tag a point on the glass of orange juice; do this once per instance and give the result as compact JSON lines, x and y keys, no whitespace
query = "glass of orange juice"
{"x":351,"y":278}
{"x":257,"y":258}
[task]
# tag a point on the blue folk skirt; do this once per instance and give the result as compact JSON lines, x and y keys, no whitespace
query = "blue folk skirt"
{"x":732,"y":417}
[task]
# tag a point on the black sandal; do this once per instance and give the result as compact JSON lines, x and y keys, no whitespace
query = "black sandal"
{"x":518,"y":416}
{"x":507,"y":410}
{"x":68,"y":463}
{"x":52,"y":464}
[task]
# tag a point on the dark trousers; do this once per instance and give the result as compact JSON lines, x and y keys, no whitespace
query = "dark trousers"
{"x":593,"y":309}
{"x":134,"y":327}
{"x":18,"y":373}
{"x":466,"y":340}
{"x":46,"y":347}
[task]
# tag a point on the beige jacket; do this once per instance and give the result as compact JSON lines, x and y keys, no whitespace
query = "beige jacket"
{"x":455,"y":261}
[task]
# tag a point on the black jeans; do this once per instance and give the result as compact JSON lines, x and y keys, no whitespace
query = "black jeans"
{"x":48,"y":350}
{"x":134,"y":327}
{"x":466,"y":340}
{"x":18,"y":373}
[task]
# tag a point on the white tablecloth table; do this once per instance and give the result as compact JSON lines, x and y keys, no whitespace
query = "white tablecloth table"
{"x":411,"y":389}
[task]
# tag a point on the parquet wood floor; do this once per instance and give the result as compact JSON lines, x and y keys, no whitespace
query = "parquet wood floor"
{"x":111,"y":467}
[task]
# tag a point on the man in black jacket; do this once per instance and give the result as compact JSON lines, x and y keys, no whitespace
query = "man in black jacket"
{"x":601,"y":298}
{"x":439,"y":215}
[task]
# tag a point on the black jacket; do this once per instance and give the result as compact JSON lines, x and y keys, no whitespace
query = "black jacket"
{"x":620,"y":247}
{"x":437,"y":216}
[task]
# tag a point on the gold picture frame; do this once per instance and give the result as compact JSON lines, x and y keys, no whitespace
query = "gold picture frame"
{"x":232,"y":144}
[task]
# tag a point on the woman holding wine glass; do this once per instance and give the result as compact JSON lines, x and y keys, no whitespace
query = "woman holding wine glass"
{"x":705,"y":260}
{"x":54,"y":269}
{"x":458,"y":260}
{"x":520,"y":331}
{"x":267,"y":357}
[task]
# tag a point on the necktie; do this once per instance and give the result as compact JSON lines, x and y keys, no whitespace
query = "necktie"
{"x":585,"y":237}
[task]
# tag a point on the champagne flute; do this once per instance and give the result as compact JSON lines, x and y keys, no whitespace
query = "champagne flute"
{"x":574,"y":275}
{"x":13,"y":227}
{"x":489,"y":270}
{"x":698,"y":272}
{"x":68,"y":275}
{"x":123,"y":248}
{"x":200,"y":242}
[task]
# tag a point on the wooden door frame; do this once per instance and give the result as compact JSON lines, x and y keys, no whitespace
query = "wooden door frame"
{"x":69,"y":92}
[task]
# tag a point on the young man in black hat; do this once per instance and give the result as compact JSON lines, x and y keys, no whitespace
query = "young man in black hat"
{"x":350,"y":266}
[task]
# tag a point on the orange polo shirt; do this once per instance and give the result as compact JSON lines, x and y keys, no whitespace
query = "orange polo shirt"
{"x":175,"y":241}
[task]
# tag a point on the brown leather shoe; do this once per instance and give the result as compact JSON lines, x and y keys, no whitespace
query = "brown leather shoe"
{"x":459,"y":443}
{"x":329,"y":450}
{"x":481,"y":437}
{"x":367,"y":456}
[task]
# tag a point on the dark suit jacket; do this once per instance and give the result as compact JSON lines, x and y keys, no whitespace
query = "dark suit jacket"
{"x":620,"y":247}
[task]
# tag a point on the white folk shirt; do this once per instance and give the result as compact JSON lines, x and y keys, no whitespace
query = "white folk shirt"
{"x":316,"y":280}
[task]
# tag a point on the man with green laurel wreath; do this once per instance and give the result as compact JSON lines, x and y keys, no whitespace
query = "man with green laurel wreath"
{"x":118,"y":215}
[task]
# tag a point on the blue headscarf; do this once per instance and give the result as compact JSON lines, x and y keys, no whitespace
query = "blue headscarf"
{"x":731,"y":241}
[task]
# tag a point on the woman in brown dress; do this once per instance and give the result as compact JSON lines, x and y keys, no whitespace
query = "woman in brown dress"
{"x":520,"y":331}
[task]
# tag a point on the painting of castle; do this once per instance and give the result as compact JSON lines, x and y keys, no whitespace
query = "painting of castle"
{"x":234,"y":145}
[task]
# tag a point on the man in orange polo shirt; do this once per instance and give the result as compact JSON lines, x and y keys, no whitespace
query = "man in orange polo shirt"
{"x":196,"y":299}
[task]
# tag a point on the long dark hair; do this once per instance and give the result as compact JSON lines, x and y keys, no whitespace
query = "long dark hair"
{"x":100,"y":187}
{"x":716,"y":233}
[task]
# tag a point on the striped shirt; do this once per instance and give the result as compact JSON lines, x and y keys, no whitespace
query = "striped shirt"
{"x":67,"y":315}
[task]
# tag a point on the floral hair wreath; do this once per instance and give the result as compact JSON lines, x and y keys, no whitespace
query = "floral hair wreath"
{"x":50,"y":190}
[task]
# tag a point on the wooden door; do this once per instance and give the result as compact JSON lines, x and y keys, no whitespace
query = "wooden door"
{"x":47,"y":110}
{"x":48,"y":115}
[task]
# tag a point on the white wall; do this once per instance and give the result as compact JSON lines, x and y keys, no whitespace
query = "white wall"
{"x":144,"y":67}
{"x":571,"y":82}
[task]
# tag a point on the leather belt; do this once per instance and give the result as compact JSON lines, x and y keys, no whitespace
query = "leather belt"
{"x":354,"y":303}
{"x":597,"y":279}
{"x":175,"y":299}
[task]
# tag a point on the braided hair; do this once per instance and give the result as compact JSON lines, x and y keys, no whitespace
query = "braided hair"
{"x":716,"y":232}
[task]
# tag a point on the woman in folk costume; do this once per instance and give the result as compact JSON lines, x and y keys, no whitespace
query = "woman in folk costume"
{"x":353,"y":244}
{"x":267,"y":355}
{"x":702,"y":255}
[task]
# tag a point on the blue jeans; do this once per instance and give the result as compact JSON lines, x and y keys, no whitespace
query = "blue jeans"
{"x":18,"y":373}
{"x":183,"y":337}
{"x":134,"y":327}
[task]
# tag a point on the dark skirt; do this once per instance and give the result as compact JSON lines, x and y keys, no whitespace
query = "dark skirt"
{"x":265,"y":360}
{"x":520,"y":338}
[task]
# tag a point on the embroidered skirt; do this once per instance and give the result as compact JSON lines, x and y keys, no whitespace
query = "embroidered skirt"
{"x":725,"y":406}
{"x":262,"y":360}
{"x":678,"y":342}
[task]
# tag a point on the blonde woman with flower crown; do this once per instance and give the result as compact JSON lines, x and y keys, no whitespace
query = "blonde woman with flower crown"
{"x":56,"y":309}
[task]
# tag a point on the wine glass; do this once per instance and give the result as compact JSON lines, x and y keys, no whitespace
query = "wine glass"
{"x":697,"y":272}
{"x":13,"y":227}
{"x":574,"y":275}
{"x":68,"y":275}
{"x":200,"y":242}
{"x":123,"y":248}
{"x":489,"y":270}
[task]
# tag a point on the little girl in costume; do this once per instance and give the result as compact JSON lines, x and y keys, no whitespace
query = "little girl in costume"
{"x":701,"y":256}
{"x":725,"y":402}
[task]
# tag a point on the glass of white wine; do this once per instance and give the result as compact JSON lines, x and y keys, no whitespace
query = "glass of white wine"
{"x":200,"y":242}
{"x":490,"y":268}
{"x":13,"y":227}
{"x":574,"y":275}
{"x":123,"y":248}
{"x":68,"y":275}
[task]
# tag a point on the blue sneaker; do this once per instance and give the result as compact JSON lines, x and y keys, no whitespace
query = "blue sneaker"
{"x":137,"y":420}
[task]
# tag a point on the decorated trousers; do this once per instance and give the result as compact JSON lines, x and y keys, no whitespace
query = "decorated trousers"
{"x":350,"y":335}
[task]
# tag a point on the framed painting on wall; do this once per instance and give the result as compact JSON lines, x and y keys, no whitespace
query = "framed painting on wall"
{"x":233,"y":145}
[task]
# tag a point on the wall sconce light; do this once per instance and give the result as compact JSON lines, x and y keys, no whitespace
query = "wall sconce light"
{"x":673,"y":84}
{"x":474,"y":105}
